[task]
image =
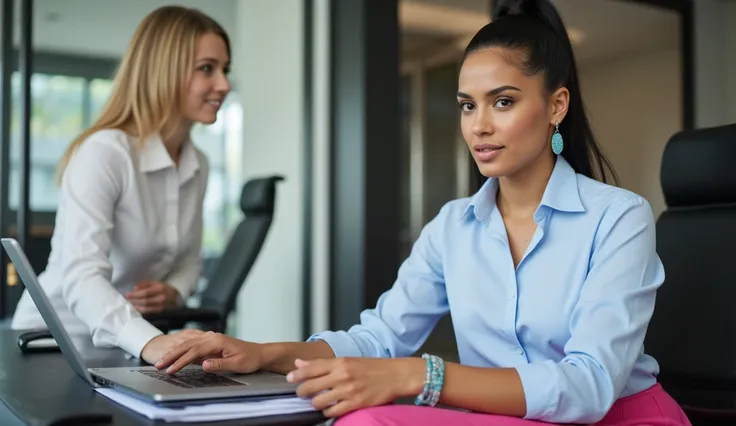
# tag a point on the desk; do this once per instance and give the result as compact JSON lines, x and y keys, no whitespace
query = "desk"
{"x":37,"y":389}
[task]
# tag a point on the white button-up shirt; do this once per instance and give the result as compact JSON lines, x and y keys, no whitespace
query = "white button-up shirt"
{"x":126,"y":214}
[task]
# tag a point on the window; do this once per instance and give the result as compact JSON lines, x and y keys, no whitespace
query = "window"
{"x":100,"y":90}
{"x":57,"y":116}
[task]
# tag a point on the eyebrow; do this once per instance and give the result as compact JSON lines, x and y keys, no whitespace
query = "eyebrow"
{"x":493,"y":92}
{"x":209,"y":59}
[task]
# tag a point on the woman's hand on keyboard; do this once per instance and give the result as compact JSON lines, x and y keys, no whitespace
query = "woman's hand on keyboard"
{"x":216,"y":352}
{"x":160,"y":345}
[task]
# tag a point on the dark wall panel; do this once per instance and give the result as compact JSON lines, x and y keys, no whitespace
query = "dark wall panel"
{"x":365,"y":155}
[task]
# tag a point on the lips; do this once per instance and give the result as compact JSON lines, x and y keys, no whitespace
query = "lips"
{"x":214,"y":104}
{"x":487,"y":152}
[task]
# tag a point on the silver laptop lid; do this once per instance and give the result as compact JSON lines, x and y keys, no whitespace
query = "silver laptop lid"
{"x":30,"y":280}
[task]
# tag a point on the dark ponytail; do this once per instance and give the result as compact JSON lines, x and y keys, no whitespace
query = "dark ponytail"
{"x":534,"y":28}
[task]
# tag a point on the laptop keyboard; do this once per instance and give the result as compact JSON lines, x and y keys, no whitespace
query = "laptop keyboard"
{"x":191,"y":378}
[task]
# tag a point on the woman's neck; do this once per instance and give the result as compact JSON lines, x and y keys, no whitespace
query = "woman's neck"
{"x":519,"y":194}
{"x":176,"y":139}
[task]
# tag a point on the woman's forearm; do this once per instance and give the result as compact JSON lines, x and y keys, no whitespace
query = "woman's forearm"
{"x":485,"y":390}
{"x":488,"y":390}
{"x":279,"y":357}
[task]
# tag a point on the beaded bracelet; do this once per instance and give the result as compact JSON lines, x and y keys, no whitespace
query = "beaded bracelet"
{"x":434,"y":378}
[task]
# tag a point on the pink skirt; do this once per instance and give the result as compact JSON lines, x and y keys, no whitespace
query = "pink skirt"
{"x":652,"y":407}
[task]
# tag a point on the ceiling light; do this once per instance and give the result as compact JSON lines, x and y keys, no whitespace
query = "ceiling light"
{"x":576,"y":36}
{"x":422,"y":17}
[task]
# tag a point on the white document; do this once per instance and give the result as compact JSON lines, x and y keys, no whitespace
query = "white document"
{"x":211,"y":412}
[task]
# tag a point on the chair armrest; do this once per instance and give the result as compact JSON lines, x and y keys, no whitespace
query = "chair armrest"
{"x":184,"y":314}
{"x":176,"y":319}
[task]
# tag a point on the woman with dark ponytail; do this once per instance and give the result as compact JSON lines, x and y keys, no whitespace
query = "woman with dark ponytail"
{"x":549,"y":273}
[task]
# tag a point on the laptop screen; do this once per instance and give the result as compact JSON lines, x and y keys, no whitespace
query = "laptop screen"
{"x":42,"y":302}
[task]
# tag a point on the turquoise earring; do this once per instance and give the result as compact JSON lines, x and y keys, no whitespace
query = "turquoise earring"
{"x":557,"y":142}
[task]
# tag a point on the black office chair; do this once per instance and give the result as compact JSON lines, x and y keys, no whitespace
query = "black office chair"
{"x":693,"y":331}
{"x":217,"y":300}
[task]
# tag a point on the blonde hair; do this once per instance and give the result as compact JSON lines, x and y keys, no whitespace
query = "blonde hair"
{"x":147,"y":89}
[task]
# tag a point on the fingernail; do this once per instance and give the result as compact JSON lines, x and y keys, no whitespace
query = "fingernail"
{"x":290,"y":377}
{"x":207,"y":364}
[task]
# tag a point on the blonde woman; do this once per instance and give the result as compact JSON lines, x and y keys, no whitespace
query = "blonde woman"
{"x":129,"y":223}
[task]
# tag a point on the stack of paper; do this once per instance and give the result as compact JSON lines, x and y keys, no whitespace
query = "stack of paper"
{"x":211,"y":412}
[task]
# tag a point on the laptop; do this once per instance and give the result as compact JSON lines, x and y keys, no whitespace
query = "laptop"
{"x":191,"y":385}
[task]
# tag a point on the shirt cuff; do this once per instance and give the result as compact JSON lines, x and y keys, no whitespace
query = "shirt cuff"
{"x":340,"y":341}
{"x":539,"y":381}
{"x":135,"y":335}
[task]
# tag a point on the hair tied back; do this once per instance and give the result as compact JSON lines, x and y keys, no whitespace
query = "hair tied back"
{"x":542,"y":10}
{"x":516,"y":7}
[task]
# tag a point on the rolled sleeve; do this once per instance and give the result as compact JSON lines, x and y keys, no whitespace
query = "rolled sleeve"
{"x":539,"y":381}
{"x":341,"y":342}
{"x":608,"y":323}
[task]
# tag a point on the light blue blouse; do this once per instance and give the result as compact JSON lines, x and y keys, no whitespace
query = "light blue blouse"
{"x":571,"y":318}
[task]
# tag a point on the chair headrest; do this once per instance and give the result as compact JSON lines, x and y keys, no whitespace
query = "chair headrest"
{"x":699,"y":167}
{"x":259,"y":195}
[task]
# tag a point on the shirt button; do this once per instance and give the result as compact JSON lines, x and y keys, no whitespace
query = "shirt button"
{"x":513,"y":296}
{"x":520,"y":351}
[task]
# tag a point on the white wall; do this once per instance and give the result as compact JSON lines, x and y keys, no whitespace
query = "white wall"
{"x":634,"y":105}
{"x":729,"y":49}
{"x":715,"y":53}
{"x":711,"y":52}
{"x":321,"y":55}
{"x":268,"y":59}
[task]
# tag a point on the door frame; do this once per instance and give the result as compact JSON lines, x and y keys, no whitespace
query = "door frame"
{"x":686,"y":10}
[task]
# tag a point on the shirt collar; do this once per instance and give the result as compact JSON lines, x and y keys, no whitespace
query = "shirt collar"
{"x":154,"y":157}
{"x":561,"y":193}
